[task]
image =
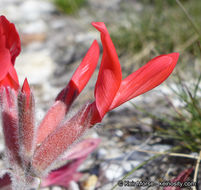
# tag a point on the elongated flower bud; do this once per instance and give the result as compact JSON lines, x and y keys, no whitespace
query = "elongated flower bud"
{"x":60,"y":140}
{"x":51,"y":121}
{"x":26,"y":114}
{"x":10,"y":124}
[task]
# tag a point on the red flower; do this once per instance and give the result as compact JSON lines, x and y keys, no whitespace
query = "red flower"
{"x":9,"y":49}
{"x":110,"y":92}
{"x":33,"y":150}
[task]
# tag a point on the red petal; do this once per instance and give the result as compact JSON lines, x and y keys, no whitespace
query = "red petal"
{"x":146,"y":78}
{"x":110,"y":75}
{"x":95,"y":115}
{"x":5,"y":63}
{"x":26,"y":87}
{"x":12,"y":38}
{"x":2,"y":41}
{"x":81,"y":76}
{"x":52,"y":119}
{"x":68,"y":95}
{"x":26,"y":90}
{"x":84,"y":72}
{"x":11,"y":79}
{"x":9,"y":82}
{"x":82,"y":149}
{"x":13,"y":74}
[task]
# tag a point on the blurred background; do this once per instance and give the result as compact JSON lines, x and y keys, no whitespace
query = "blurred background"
{"x":55,"y":36}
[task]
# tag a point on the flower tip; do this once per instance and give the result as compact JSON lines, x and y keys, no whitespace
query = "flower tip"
{"x":25,"y":88}
{"x":100,"y":26}
{"x":95,"y":46}
{"x":174,"y":56}
{"x":2,"y":17}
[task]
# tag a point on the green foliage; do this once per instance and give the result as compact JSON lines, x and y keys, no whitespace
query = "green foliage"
{"x":69,"y":6}
{"x":185,"y":126}
{"x":160,"y":3}
{"x":161,"y":23}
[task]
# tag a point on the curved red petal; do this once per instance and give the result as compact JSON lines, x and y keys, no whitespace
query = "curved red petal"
{"x":2,"y":41}
{"x":81,"y":76}
{"x":13,"y":74}
{"x":4,"y":63}
{"x":146,"y":78}
{"x":8,"y":81}
{"x":110,"y":76}
{"x":12,"y":37}
{"x":84,"y":72}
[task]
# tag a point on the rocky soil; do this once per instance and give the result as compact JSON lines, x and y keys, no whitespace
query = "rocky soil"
{"x":53,"y":45}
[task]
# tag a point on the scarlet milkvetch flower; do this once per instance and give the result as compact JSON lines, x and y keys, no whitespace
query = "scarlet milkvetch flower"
{"x":34,"y":151}
{"x":110,"y":92}
{"x":10,"y":48}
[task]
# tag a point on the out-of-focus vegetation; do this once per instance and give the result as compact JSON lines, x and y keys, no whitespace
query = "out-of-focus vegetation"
{"x":161,"y":23}
{"x":69,"y":6}
{"x":185,"y":126}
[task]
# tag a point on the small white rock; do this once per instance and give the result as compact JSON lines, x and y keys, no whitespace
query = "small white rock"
{"x":127,"y":166}
{"x":38,"y":26}
{"x":111,"y":171}
{"x":73,"y":186}
{"x":56,"y":188}
{"x":33,"y":9}
{"x":101,"y":153}
{"x":160,"y":148}
{"x":119,"y":133}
